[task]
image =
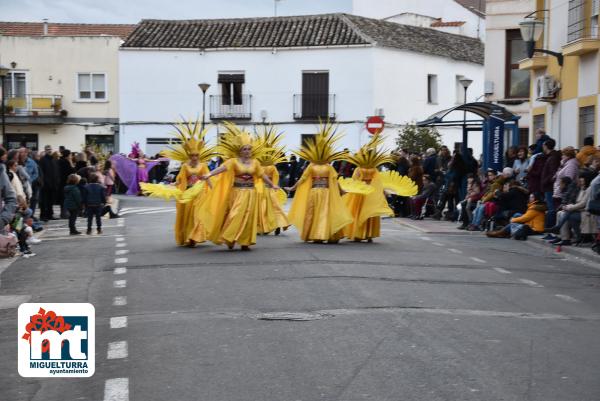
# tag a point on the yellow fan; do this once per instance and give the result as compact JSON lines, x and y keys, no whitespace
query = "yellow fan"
{"x":191,"y":193}
{"x":355,"y":186}
{"x":398,"y":184}
{"x":282,"y":197}
{"x":166,"y":192}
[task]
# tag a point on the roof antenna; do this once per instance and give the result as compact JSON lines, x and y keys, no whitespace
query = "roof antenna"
{"x":275,"y":7}
{"x":45,"y":20}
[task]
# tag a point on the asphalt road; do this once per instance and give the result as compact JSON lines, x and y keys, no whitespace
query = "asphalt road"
{"x":412,"y":316}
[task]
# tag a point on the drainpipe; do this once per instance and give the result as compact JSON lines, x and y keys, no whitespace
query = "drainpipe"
{"x":45,"y":20}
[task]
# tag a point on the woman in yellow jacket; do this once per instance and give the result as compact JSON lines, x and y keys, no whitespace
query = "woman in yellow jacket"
{"x":367,"y":209}
{"x":521,"y":226}
{"x":318,"y":210}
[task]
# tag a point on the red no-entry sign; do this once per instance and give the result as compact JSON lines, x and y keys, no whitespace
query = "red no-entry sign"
{"x":375,"y":125}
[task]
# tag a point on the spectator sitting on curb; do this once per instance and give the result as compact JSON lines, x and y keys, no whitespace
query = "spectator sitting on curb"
{"x":521,"y":226}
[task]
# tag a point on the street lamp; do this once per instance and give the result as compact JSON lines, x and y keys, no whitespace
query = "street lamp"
{"x":3,"y":73}
{"x":204,"y":87}
{"x":465,"y":82}
{"x":531,"y":30}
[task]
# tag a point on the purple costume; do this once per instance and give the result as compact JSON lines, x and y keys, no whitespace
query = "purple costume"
{"x":132,"y":170}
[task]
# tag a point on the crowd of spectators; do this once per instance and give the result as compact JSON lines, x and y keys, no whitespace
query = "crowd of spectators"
{"x":541,"y":190}
{"x":32,"y":183}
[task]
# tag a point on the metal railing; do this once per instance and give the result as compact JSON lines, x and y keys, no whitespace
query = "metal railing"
{"x":231,"y":107}
{"x":314,"y":107}
{"x":32,"y":105}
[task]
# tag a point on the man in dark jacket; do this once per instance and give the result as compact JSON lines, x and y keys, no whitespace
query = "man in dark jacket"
{"x":95,"y":199}
{"x":65,"y":168}
{"x":514,"y":200}
{"x":540,"y":139}
{"x":430,"y":164}
{"x":547,"y":182}
{"x":50,"y":184}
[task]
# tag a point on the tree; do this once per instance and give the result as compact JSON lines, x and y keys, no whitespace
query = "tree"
{"x":418,"y":139}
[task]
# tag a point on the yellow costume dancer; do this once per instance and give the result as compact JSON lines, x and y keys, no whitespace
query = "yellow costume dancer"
{"x":367,"y":209}
{"x":271,"y":215}
{"x":193,"y":155}
{"x":231,"y":210}
{"x":317,"y":210}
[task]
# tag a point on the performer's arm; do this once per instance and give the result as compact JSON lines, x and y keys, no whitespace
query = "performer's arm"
{"x":268,"y":181}
{"x":216,"y":171}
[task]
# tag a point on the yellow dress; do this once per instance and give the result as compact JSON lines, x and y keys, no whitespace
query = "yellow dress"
{"x":186,"y":225}
{"x":230,"y":213}
{"x":366,"y":209}
{"x":271,"y":214}
{"x":317,"y":210}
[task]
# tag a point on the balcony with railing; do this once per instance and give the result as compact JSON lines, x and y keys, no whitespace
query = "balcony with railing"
{"x":238,"y":107}
{"x":314,"y":107}
{"x":30,"y":108}
{"x":582,"y":29}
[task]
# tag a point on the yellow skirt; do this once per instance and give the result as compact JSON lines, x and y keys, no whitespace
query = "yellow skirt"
{"x":241,"y":221}
{"x":371,"y":228}
{"x":317,"y":219}
{"x":194,"y":229}
{"x":271,"y":214}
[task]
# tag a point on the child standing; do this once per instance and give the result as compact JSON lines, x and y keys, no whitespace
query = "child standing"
{"x":95,"y":201}
{"x":72,"y":202}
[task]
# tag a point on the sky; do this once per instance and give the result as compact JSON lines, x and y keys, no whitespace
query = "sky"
{"x":132,"y":11}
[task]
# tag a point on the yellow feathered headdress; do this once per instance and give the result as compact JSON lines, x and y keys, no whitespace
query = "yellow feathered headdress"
{"x":270,"y":138}
{"x":320,"y":149}
{"x":368,"y":156}
{"x":192,"y":142}
{"x":234,"y":138}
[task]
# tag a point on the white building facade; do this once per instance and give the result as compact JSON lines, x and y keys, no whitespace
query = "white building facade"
{"x":356,"y":68}
{"x":462,"y":17}
{"x":505,"y":83}
{"x":62,"y":84}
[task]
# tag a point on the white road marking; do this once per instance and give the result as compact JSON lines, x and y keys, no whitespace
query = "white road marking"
{"x":454,"y":250}
{"x":530,"y":282}
{"x":426,"y":238}
{"x":566,"y":298}
{"x":501,"y":270}
{"x":120,"y":283}
{"x":121,"y":252}
{"x":159,"y":211}
{"x":119,"y":239}
{"x":119,"y":301}
{"x":118,"y":322}
{"x":121,"y":245}
{"x":117,"y":350}
{"x":437,"y":243}
{"x":121,"y":260}
{"x":116,"y":389}
{"x":473,"y":258}
{"x":120,"y":270}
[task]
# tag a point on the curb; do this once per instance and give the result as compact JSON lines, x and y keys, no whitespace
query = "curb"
{"x":575,"y":254}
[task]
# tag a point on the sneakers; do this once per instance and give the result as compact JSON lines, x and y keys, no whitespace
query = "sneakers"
{"x":75,"y":233}
{"x":27,"y":253}
{"x":99,"y":231}
{"x":549,"y":237}
{"x":33,"y":240}
{"x":89,"y":231}
{"x":556,"y":240}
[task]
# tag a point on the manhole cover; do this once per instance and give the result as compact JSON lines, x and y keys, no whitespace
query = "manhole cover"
{"x":295,"y":316}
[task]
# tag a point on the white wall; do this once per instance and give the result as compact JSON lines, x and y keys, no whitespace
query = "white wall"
{"x":400,"y":87}
{"x":362,"y":79}
{"x":448,"y":10}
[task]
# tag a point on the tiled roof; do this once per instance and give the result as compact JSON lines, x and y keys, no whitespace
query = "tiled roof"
{"x":302,"y":31}
{"x":440,"y":24}
{"x":64,"y":29}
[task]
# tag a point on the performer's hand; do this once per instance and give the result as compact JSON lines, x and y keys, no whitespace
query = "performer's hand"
{"x":204,"y":177}
{"x":287,"y":189}
{"x":276,"y":187}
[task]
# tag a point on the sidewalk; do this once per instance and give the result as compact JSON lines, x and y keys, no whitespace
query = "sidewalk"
{"x":431,"y":226}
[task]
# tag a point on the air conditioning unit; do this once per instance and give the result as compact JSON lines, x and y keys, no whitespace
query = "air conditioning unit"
{"x":546,"y":88}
